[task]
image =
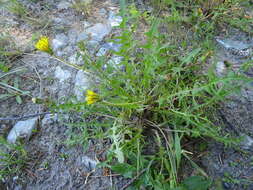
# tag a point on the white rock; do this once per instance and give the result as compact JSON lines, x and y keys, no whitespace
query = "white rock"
{"x":99,"y":31}
{"x":82,"y":36}
{"x":22,"y":129}
{"x":60,"y":41}
{"x":61,"y":74}
{"x":102,"y":12}
{"x":74,"y":59}
{"x":82,"y":83}
{"x":89,"y":163}
{"x":220,"y":68}
{"x":63,"y":5}
{"x":114,"y":20}
{"x":247,"y":143}
{"x":49,"y":119}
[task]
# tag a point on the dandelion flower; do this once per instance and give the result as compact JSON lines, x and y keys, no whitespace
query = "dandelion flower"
{"x":91,"y":97}
{"x":43,"y":45}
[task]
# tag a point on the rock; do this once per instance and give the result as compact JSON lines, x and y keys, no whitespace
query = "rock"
{"x":73,"y":35}
{"x":60,"y":41}
{"x":98,"y":31}
{"x":74,"y":59}
{"x":102,"y":12}
{"x":49,"y":119}
{"x":226,"y":185}
{"x":229,"y":43}
{"x":61,"y":74}
{"x":114,"y":20}
{"x":63,"y":5}
{"x":247,"y":143}
{"x":220,"y":68}
{"x":89,"y":163}
{"x":102,"y":51}
{"x":115,"y":61}
{"x":22,"y":129}
{"x":106,"y":47}
{"x":82,"y":36}
{"x":82,"y":83}
{"x":86,"y":1}
{"x":235,"y":47}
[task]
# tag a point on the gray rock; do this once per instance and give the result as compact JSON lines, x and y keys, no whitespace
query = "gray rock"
{"x":89,"y":163}
{"x":60,"y":41}
{"x":57,"y":20}
{"x":247,"y":143}
{"x":73,"y":35}
{"x":86,"y":1}
{"x":115,"y":61}
{"x":85,"y":24}
{"x":74,"y":59}
{"x":220,"y":68}
{"x":63,"y":5}
{"x":106,"y":47}
{"x":61,"y":74}
{"x":114,"y":19}
{"x":82,"y":36}
{"x":98,"y":31}
{"x":229,"y":43}
{"x":82,"y":83}
{"x":235,"y":47}
{"x":22,"y":129}
{"x":102,"y":12}
{"x":102,"y":51}
{"x":49,"y":119}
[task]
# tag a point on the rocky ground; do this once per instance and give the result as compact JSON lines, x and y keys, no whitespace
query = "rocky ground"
{"x":53,"y":164}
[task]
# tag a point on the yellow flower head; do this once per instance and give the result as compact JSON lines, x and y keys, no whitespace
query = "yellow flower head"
{"x":91,"y":97}
{"x":44,"y":45}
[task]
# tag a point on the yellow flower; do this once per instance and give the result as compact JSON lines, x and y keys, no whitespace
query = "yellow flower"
{"x":43,"y":45}
{"x":91,"y":97}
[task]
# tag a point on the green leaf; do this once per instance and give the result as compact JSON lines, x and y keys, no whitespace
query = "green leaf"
{"x":124,"y":169}
{"x":2,"y":96}
{"x":18,"y":99}
{"x":196,"y":183}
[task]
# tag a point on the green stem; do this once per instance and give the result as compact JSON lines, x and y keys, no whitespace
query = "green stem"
{"x":119,"y":104}
{"x":67,"y":63}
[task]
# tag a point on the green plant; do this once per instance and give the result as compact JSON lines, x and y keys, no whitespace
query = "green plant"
{"x":153,"y":99}
{"x":13,"y":158}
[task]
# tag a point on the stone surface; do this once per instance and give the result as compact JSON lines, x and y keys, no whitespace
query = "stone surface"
{"x":236,"y":47}
{"x":60,"y":41}
{"x":108,"y":46}
{"x":22,"y":129}
{"x":61,"y":74}
{"x":220,"y":68}
{"x":82,"y":36}
{"x":247,"y":142}
{"x":114,"y":19}
{"x":82,"y":83}
{"x":89,"y":163}
{"x":49,"y":119}
{"x":63,"y":5}
{"x":102,"y":12}
{"x":74,"y":59}
{"x":98,"y":31}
